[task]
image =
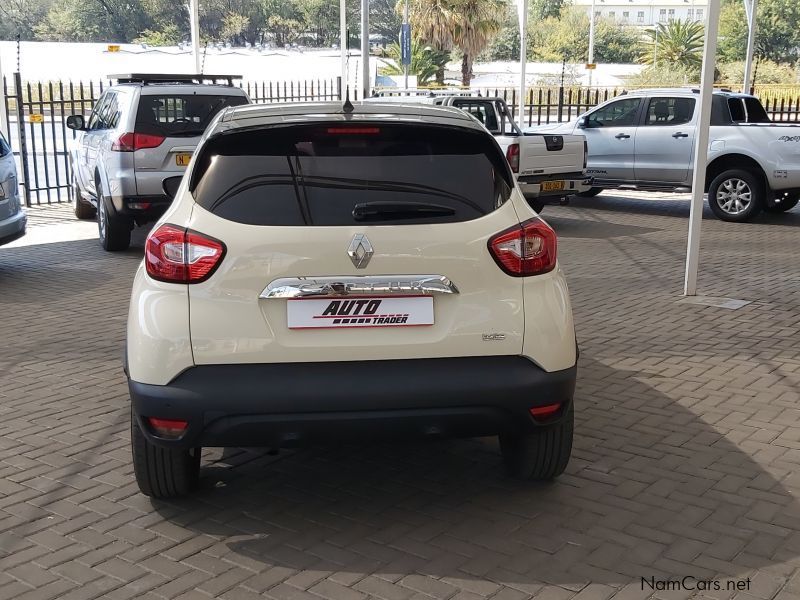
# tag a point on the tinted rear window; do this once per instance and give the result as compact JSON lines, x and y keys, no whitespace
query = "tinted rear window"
{"x":345,"y":174}
{"x":176,"y":115}
{"x":747,"y":110}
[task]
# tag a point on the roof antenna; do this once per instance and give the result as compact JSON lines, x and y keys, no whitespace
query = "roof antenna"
{"x":347,"y":107}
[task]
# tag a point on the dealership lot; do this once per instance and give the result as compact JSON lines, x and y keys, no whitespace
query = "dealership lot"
{"x":686,"y":460}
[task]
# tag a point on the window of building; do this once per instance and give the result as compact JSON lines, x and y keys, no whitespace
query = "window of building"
{"x":612,"y":14}
{"x":640,"y":16}
{"x":626,"y":15}
{"x":699,"y":14}
{"x":662,"y":14}
{"x":671,"y":14}
{"x":690,"y":13}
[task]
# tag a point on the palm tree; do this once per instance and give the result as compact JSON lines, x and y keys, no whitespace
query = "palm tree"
{"x":432,"y":22}
{"x":425,"y":61}
{"x":677,"y":43}
{"x":476,"y":22}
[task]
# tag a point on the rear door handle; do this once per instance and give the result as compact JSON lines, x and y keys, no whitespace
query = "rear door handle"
{"x":680,"y":135}
{"x":622,"y":136}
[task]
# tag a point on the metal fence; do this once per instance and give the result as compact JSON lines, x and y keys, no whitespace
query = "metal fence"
{"x":37,"y":113}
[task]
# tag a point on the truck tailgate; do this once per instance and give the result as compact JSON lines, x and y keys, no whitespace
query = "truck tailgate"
{"x":550,"y":153}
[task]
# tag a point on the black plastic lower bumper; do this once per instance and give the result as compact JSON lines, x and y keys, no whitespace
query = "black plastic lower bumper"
{"x":287,"y":404}
{"x":143,"y":208}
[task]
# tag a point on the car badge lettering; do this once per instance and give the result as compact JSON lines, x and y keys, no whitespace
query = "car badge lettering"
{"x":360,"y":251}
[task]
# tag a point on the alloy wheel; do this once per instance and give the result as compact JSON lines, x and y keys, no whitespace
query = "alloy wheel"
{"x":734,"y":196}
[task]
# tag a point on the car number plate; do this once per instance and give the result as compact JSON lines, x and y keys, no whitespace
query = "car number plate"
{"x":552,"y":186}
{"x":182,"y":159}
{"x":374,"y":311}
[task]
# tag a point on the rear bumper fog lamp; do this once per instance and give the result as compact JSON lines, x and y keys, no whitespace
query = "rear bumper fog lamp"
{"x":167,"y":428}
{"x":139,"y":205}
{"x":545,"y":412}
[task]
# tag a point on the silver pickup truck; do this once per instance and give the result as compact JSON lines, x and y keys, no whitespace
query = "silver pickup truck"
{"x":546,"y":166}
{"x":645,"y":140}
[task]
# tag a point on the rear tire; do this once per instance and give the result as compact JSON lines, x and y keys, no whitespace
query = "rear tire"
{"x":542,"y":455}
{"x":787,"y":203}
{"x":736,"y":196}
{"x":82,"y":208}
{"x":114,"y":231}
{"x":162,"y":472}
{"x":590,"y":193}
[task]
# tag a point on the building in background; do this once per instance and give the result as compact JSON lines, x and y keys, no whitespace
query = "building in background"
{"x":646,"y":13}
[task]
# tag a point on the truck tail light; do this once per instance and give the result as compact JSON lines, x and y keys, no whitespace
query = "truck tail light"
{"x":168,"y":428}
{"x":177,"y":255}
{"x":512,"y":154}
{"x":131,"y":142}
{"x":526,"y":249}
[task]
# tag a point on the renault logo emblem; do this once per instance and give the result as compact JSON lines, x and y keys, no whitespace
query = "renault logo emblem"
{"x":360,"y":251}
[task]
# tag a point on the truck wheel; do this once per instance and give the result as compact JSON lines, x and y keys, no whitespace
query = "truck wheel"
{"x":541,"y":455}
{"x":114,"y":232}
{"x":82,"y":208}
{"x":788,"y":202}
{"x":736,"y":196}
{"x":162,"y":472}
{"x":591,"y":192}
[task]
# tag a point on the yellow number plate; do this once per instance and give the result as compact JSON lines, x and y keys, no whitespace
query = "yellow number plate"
{"x":182,"y":159}
{"x":552,"y":186}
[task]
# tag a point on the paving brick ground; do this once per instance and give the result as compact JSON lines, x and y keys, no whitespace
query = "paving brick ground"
{"x":687,"y":458}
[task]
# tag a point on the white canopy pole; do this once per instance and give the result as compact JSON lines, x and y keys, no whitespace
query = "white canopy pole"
{"x":701,"y":149}
{"x":364,"y":49}
{"x":343,"y":49}
{"x":751,"y":6}
{"x":591,"y":42}
{"x":3,"y":119}
{"x":522,"y":7}
{"x":194,"y":26}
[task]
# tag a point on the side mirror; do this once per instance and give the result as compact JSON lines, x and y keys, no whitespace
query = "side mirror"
{"x":583,"y":123}
{"x":76,"y":122}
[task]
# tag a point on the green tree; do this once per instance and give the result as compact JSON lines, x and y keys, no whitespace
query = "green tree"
{"x":431,"y":23}
{"x":170,"y":35}
{"x":778,"y":31}
{"x":675,"y":43}
{"x":425,"y":62}
{"x":476,"y":23}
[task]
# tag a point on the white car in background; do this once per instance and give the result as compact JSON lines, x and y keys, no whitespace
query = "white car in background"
{"x":645,"y":140}
{"x":13,"y":218}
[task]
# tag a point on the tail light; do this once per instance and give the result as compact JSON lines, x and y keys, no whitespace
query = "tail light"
{"x":512,"y":154}
{"x":544,"y":412}
{"x":525,"y":249}
{"x":585,"y":153}
{"x":131,"y":142}
{"x":177,"y":255}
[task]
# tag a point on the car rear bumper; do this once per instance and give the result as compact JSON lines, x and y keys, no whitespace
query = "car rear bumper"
{"x":287,"y":404}
{"x":143,"y":208}
{"x":13,"y":227}
{"x":532,"y":186}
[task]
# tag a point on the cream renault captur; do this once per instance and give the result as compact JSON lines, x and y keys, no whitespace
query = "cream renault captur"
{"x":332,"y":271}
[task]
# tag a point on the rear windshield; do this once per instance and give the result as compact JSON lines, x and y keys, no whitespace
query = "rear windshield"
{"x":345,"y":174}
{"x":176,"y":115}
{"x":747,"y":110}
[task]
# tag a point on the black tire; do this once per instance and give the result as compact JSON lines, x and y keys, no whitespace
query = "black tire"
{"x":788,"y":202}
{"x":542,"y":455}
{"x":590,"y":193}
{"x":114,"y":232}
{"x":82,"y":208}
{"x":162,"y":472}
{"x":736,"y":196}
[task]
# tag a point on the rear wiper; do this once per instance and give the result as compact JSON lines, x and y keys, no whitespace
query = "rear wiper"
{"x":380,"y":211}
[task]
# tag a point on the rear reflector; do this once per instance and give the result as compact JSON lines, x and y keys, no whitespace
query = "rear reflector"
{"x":176,"y":255}
{"x":354,"y":130}
{"x":526,"y":249}
{"x":548,"y":410}
{"x":169,"y":428}
{"x":512,"y":154}
{"x":139,"y":205}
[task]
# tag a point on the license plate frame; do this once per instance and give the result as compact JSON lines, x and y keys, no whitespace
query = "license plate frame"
{"x":362,"y":312}
{"x":182,"y":159}
{"x":554,"y":185}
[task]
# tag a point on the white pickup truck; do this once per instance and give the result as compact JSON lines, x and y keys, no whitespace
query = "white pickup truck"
{"x":645,"y":140}
{"x":546,"y":166}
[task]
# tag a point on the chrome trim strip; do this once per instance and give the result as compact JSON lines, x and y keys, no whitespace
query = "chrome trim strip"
{"x":367,"y":285}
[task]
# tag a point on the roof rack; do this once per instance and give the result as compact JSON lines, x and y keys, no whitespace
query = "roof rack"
{"x":148,"y":78}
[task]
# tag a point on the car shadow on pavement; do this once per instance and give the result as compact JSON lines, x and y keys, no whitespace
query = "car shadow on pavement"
{"x":670,"y":207}
{"x":652,"y":490}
